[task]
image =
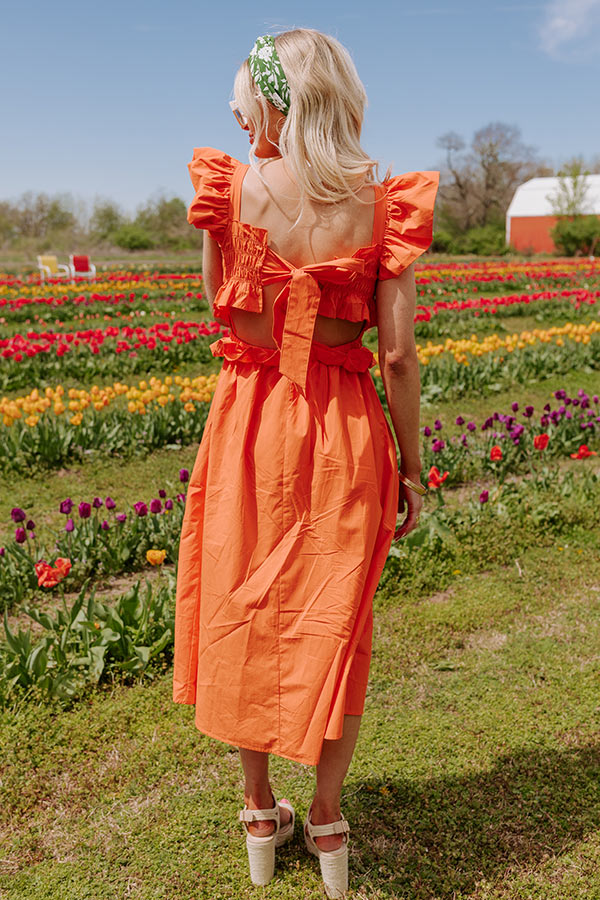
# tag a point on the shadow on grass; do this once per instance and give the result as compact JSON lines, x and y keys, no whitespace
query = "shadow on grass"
{"x":440,"y":837}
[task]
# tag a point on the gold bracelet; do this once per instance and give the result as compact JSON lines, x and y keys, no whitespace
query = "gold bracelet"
{"x":418,"y":488}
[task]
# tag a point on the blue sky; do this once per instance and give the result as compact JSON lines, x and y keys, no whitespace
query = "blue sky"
{"x":108,"y":99}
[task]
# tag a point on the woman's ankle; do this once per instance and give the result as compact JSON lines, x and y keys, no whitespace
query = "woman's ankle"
{"x":258,"y":797}
{"x":324,"y":810}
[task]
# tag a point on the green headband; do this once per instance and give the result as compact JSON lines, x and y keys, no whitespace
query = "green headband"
{"x":268,"y":74}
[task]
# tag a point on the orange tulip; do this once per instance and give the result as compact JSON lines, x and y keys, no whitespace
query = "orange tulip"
{"x":156,"y":557}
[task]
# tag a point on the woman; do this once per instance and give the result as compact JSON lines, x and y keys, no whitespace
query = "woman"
{"x":293,"y":501}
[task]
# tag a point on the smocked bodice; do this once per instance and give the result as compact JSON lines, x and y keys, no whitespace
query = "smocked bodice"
{"x":338,"y":288}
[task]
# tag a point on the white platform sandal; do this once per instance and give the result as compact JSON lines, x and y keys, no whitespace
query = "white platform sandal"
{"x":334,"y":863}
{"x":261,"y":850}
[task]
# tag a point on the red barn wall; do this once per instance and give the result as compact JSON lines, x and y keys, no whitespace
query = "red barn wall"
{"x":529,"y":233}
{"x":532,"y":233}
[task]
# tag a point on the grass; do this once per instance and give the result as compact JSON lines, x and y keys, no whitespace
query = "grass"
{"x":476,"y":773}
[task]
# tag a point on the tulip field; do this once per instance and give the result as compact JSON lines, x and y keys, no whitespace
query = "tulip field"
{"x":478,"y":766}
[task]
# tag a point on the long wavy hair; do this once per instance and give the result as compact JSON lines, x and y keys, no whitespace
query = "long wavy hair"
{"x":320,"y":138}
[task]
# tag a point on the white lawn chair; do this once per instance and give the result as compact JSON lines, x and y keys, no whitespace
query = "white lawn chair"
{"x":50,"y":267}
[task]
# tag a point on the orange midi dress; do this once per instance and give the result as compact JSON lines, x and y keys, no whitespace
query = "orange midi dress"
{"x":292,"y":502}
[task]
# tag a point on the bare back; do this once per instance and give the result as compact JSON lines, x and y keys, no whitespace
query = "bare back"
{"x":323,"y":232}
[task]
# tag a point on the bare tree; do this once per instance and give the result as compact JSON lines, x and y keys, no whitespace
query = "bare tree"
{"x":478,"y":185}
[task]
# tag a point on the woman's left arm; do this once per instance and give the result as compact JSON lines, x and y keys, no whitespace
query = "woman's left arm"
{"x":212,"y":270}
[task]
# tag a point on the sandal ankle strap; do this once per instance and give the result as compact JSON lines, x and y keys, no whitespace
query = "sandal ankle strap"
{"x":260,"y":815}
{"x":339,"y":827}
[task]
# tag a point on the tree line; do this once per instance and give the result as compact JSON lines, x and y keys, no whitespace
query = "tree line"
{"x":39,"y":223}
{"x":478,"y":181}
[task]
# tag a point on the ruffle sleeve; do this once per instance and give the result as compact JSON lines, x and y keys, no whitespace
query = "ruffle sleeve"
{"x":410,"y":199}
{"x":211,"y":172}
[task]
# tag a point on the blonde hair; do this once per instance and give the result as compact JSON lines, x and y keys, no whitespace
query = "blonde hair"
{"x":320,"y":137}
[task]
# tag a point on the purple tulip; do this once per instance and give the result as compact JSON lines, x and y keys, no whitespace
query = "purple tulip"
{"x":427,"y":431}
{"x":459,"y":420}
{"x":109,"y":503}
{"x":155,"y":505}
{"x":568,"y":414}
{"x":560,"y":395}
{"x":30,"y":526}
{"x":568,"y":401}
{"x":17,"y":514}
{"x":581,"y":392}
{"x":162,"y":493}
{"x":121,"y":517}
{"x":595,"y":398}
{"x":140,"y":508}
{"x":2,"y":551}
{"x":70,"y":525}
{"x":575,"y":402}
{"x":438,"y":445}
{"x":437,"y":425}
{"x":181,"y":498}
{"x":547,"y":407}
{"x":85,"y":510}
{"x":484,"y":497}
{"x":514,"y":406}
{"x":97,"y":503}
{"x":528,"y":411}
{"x":20,"y":535}
{"x":184,"y":475}
{"x":471,"y":426}
{"x":544,"y":421}
{"x":66,"y":506}
{"x":463,"y":440}
{"x":104,"y":526}
{"x":168,"y":504}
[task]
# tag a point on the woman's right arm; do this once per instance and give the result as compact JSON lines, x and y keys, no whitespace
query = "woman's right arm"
{"x":396,"y":300}
{"x":212,"y":269}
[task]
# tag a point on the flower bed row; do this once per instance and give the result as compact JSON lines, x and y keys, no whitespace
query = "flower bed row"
{"x":38,"y":356}
{"x":510,"y":443}
{"x":508,"y":304}
{"x":149,"y":416}
{"x":456,"y":368}
{"x":94,"y":539}
{"x":121,"y":279}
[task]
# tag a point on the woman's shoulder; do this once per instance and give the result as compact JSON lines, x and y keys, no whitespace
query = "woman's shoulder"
{"x":410,"y":202}
{"x":208,"y":161}
{"x":211,"y":172}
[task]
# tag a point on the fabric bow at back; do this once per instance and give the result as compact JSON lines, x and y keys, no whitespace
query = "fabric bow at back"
{"x":295,"y":312}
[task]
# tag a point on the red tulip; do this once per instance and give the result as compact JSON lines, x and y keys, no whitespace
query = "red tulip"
{"x":436,"y":479}
{"x":583,"y":452}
